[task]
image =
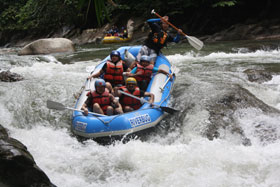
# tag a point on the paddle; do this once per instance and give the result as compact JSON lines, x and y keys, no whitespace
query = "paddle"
{"x":60,"y":106}
{"x":165,"y":109}
{"x":196,"y":43}
{"x":173,"y":74}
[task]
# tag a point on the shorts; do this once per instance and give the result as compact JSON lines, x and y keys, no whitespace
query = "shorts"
{"x":147,"y":51}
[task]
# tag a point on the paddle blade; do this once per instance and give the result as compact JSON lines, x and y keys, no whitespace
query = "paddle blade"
{"x":55,"y":105}
{"x":196,"y":43}
{"x":169,"y":110}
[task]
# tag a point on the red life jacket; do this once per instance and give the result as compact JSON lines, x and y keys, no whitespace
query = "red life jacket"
{"x":144,"y":73}
{"x":102,"y":99}
{"x":114,"y":73}
{"x":129,"y":101}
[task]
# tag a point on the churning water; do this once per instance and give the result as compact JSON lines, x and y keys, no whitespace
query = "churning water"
{"x":177,"y":153}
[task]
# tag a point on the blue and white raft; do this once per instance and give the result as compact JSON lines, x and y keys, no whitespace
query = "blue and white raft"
{"x":97,"y":126}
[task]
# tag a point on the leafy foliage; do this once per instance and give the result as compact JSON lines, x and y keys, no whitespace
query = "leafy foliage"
{"x":47,"y":15}
{"x":37,"y":14}
{"x":224,"y":3}
{"x":99,"y":7}
{"x":50,"y":14}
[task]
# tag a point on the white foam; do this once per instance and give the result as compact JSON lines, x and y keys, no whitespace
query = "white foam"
{"x":189,"y":160}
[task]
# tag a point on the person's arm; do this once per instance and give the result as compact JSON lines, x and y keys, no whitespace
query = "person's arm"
{"x":125,"y":68}
{"x":153,"y":20}
{"x":177,"y":38}
{"x":115,"y":102}
{"x":131,"y":73}
{"x":116,"y":92}
{"x":165,"y":72}
{"x":86,"y":104}
{"x":151,"y":95}
{"x":85,"y":109}
{"x":100,"y":72}
{"x":97,"y":74}
{"x":133,"y":64}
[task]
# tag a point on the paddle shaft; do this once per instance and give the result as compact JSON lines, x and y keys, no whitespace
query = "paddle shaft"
{"x":162,"y":88}
{"x":165,"y":109}
{"x":135,"y":97}
{"x":168,"y":23}
{"x":96,"y":114}
{"x":196,"y":43}
{"x":60,"y":106}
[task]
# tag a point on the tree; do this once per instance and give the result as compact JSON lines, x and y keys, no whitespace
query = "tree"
{"x":100,"y":9}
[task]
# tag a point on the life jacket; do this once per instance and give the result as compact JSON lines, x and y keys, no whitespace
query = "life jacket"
{"x":157,"y":40}
{"x":102,"y":99}
{"x":144,"y":73}
{"x":160,"y":38}
{"x":129,"y":101}
{"x":114,"y":73}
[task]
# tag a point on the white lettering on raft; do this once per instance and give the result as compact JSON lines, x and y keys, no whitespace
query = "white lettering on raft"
{"x":81,"y":126}
{"x":139,"y":120}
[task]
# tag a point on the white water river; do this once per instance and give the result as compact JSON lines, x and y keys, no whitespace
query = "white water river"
{"x":182,"y":157}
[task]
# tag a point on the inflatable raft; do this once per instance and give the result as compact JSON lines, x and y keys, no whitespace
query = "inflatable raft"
{"x":115,"y":39}
{"x":97,"y":125}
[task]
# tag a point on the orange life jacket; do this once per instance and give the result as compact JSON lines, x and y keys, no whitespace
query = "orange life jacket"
{"x":114,"y":73}
{"x":102,"y":99}
{"x":129,"y":101}
{"x":144,"y":73}
{"x":160,"y":38}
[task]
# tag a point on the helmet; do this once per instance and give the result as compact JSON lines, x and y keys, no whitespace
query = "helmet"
{"x":115,"y":53}
{"x":131,"y":80}
{"x":145,"y":58}
{"x":99,"y":82}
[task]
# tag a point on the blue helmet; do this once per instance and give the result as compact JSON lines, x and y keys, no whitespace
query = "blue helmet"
{"x":99,"y":82}
{"x":115,"y":53}
{"x":145,"y":58}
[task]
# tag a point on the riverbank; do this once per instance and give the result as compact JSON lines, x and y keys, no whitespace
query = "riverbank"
{"x":261,"y":30}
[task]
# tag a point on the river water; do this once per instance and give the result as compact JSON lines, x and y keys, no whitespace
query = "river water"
{"x":177,"y":153}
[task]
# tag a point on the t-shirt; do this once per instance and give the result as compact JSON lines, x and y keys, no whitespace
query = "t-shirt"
{"x":154,"y":70}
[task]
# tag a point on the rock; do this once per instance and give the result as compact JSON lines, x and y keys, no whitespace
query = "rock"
{"x":259,"y":76}
{"x":130,"y":28}
{"x":267,"y":29}
{"x":7,"y":76}
{"x":17,"y":166}
{"x":223,"y":109}
{"x":90,"y":36}
{"x":47,"y":46}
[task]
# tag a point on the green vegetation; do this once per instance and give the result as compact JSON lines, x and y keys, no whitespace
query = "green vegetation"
{"x":42,"y":15}
{"x":37,"y":15}
{"x":201,"y":16}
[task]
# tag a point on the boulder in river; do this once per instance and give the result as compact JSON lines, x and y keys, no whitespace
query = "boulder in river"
{"x":17,"y":166}
{"x":47,"y":46}
{"x":7,"y":76}
{"x":259,"y":76}
{"x":222,"y":115}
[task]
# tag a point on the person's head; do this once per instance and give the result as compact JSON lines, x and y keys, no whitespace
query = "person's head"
{"x":115,"y":56}
{"x":145,"y":60}
{"x":164,"y":25}
{"x":131,"y":83}
{"x":100,"y":85}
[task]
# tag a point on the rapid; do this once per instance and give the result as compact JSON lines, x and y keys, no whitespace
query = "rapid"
{"x":177,"y":152}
